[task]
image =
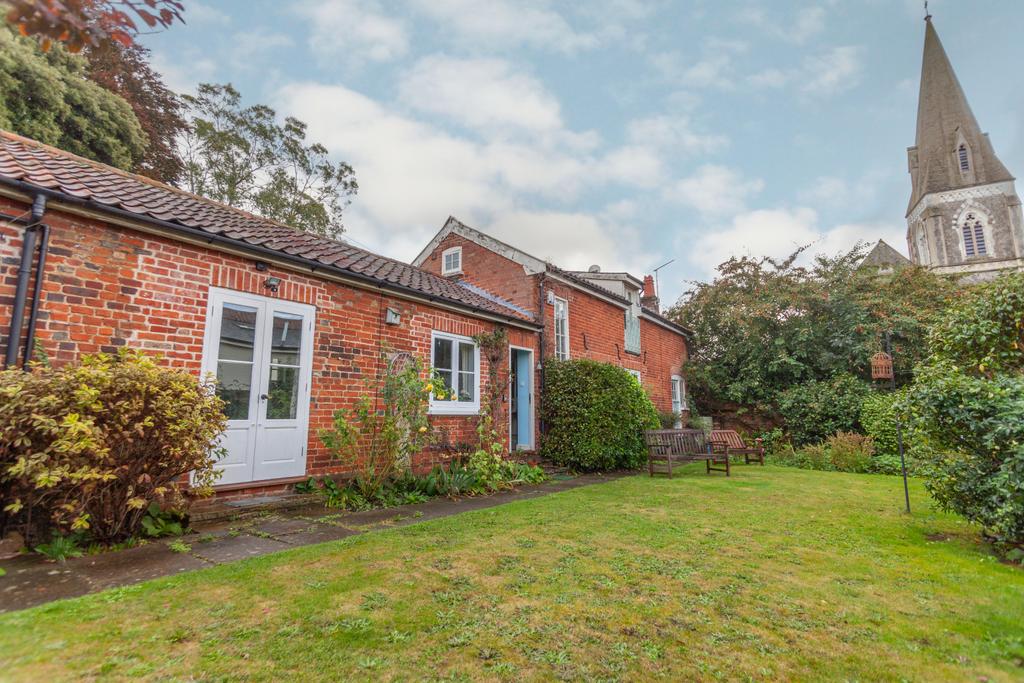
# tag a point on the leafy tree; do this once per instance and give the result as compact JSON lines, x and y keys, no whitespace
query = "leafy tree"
{"x":48,"y":97}
{"x":125,"y":71}
{"x":766,"y":325}
{"x":241,"y":156}
{"x":968,"y":397}
{"x":77,"y":23}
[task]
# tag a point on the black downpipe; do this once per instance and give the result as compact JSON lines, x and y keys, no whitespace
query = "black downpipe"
{"x":37,"y":291}
{"x":28,"y":248}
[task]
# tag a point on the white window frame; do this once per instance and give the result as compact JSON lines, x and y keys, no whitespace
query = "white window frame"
{"x":448,"y":407}
{"x":635,"y":373}
{"x":678,"y":402}
{"x":632,"y":314}
{"x":445,"y":270}
{"x":560,"y":353}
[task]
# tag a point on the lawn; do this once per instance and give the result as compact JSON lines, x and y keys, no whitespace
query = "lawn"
{"x":771,"y":574}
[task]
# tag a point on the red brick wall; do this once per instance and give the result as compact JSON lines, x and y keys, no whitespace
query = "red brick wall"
{"x":596,"y":328}
{"x":107,"y":287}
{"x":484,"y":268}
{"x":597,"y":331}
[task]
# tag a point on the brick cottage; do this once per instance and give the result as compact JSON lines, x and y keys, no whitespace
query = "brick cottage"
{"x":294,"y":325}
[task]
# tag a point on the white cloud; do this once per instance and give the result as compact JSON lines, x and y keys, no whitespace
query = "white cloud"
{"x":826,"y":73}
{"x":248,"y":49}
{"x":505,"y":24}
{"x":807,"y":23}
{"x":714,"y":190}
{"x":675,"y":133}
{"x":714,"y":69}
{"x":571,"y":240}
{"x":413,"y":175}
{"x":354,"y":31}
{"x":197,"y":13}
{"x":834,"y":71}
{"x":779,"y":232}
{"x":183,"y":73}
{"x":486,"y":94}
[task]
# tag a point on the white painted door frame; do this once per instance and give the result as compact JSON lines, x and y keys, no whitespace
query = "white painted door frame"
{"x":260,"y":447}
{"x":533,"y":400}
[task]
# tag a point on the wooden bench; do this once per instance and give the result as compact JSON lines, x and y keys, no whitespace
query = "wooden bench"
{"x":667,"y":448}
{"x":730,"y":443}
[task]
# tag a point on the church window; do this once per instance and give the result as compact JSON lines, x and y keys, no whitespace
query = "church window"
{"x":974,"y":236}
{"x":965,"y":162}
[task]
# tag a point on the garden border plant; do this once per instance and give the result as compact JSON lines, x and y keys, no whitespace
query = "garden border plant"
{"x":88,"y":448}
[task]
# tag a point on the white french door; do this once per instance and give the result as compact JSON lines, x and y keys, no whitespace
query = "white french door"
{"x":260,"y":351}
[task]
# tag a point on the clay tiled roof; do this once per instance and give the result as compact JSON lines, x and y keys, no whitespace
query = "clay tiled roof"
{"x":29,"y":165}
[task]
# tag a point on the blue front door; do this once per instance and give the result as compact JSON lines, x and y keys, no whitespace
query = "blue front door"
{"x":522,"y":400}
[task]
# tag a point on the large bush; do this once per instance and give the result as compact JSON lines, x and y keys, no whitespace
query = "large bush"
{"x":594,"y":414}
{"x":88,"y":447}
{"x":816,"y":410}
{"x":968,"y":397}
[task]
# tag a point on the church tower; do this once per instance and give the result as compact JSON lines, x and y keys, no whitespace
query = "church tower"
{"x":964,"y":215}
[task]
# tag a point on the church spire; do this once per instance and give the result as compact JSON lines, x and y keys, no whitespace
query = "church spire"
{"x":950,"y":151}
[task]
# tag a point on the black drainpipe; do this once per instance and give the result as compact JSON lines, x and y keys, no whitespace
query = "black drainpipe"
{"x":37,"y":290}
{"x":28,"y":249}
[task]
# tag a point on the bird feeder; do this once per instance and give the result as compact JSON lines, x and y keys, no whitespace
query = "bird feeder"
{"x":881,"y":366}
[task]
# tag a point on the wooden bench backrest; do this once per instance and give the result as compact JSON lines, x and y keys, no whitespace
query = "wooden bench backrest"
{"x":728,"y":437}
{"x":675,"y":441}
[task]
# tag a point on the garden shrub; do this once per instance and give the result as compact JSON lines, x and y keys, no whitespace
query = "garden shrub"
{"x":968,"y":399}
{"x":878,"y":418}
{"x":841,"y":452}
{"x":850,"y":452}
{"x":668,"y":419}
{"x":595,"y":414}
{"x":815,"y":410}
{"x":89,"y":447}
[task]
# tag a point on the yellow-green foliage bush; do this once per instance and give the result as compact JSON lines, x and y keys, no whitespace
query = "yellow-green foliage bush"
{"x":87,"y":447}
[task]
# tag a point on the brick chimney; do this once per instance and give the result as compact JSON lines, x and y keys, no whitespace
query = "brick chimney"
{"x":649,"y":300}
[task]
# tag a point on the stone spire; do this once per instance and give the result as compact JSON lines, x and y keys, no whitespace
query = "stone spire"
{"x":944,"y":123}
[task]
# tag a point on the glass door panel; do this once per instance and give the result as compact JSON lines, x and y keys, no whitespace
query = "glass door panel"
{"x":235,"y":359}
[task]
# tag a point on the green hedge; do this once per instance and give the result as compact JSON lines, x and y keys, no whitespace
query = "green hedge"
{"x":594,"y":415}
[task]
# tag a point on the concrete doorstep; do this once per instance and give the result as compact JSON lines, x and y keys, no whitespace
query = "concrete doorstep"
{"x":31,"y":580}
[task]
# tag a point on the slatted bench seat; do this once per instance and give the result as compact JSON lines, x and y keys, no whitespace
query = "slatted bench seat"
{"x":670,"y":448}
{"x":730,"y":443}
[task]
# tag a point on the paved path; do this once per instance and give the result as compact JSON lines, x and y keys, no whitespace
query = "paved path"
{"x":31,"y":581}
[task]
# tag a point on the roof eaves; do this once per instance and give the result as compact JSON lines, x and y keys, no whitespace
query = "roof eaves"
{"x":258,"y":248}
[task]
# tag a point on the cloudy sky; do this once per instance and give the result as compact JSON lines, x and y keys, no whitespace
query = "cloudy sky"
{"x":618,"y":132}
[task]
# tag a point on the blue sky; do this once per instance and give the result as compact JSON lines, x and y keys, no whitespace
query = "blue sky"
{"x":616,"y":132}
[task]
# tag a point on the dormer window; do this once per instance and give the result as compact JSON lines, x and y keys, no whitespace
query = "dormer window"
{"x":451,"y":261}
{"x":964,"y":158}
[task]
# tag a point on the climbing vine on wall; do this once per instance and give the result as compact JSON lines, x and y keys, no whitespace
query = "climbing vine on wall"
{"x":493,"y":348}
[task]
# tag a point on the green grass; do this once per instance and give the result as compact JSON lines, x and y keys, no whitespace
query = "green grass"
{"x":771,"y":574}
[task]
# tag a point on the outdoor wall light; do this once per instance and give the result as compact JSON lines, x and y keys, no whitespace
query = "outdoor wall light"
{"x":392,"y":317}
{"x":272,"y":283}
